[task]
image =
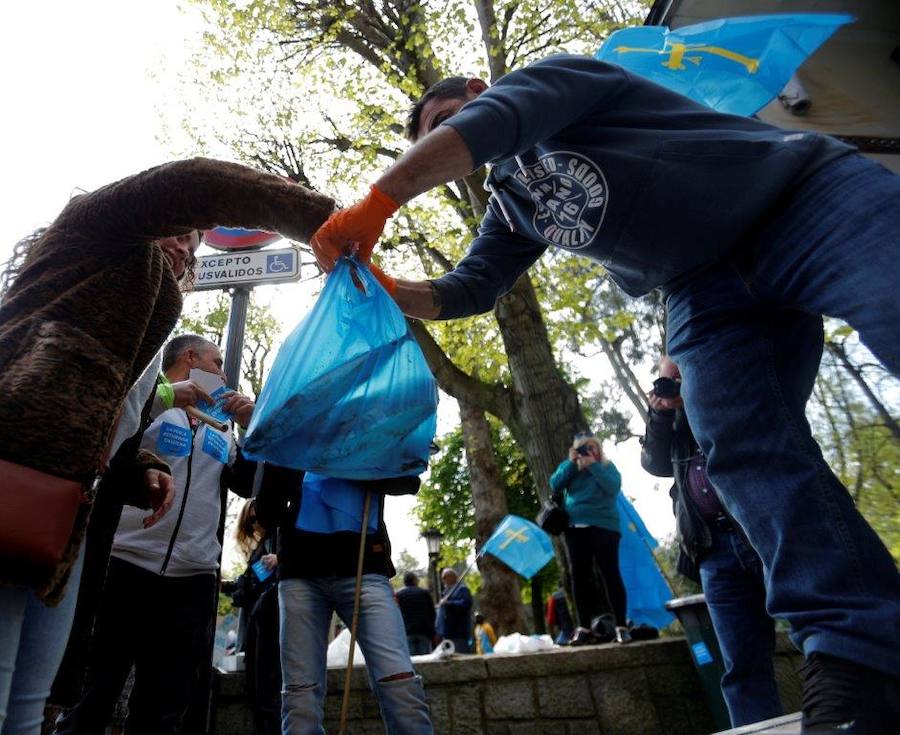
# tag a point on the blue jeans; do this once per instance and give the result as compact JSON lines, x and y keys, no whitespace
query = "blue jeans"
{"x":32,"y":643}
{"x":732,"y":578}
{"x":747,"y":337}
{"x":306,"y":606}
{"x":419,"y":645}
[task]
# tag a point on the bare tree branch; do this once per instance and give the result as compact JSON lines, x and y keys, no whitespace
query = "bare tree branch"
{"x":496,"y":54}
{"x":840,"y":352}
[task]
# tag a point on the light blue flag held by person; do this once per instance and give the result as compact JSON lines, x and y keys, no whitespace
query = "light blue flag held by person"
{"x":645,"y":587}
{"x":734,"y":65}
{"x":521,"y":545}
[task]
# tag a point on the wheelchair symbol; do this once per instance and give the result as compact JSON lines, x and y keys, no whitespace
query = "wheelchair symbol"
{"x":274,"y":264}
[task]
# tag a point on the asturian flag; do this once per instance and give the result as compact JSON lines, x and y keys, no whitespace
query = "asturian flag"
{"x":521,"y":545}
{"x":734,"y":65}
{"x":646,"y":589}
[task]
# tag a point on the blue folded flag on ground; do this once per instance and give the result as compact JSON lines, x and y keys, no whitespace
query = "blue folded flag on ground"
{"x":734,"y":65}
{"x":645,"y":587}
{"x":521,"y":545}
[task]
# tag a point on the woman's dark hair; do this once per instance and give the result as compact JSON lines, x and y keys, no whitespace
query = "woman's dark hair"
{"x":248,"y":533}
{"x":187,"y":279}
{"x":22,"y":250}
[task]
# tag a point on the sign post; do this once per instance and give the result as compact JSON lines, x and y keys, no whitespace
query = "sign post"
{"x":234,"y":345}
{"x":245,"y":263}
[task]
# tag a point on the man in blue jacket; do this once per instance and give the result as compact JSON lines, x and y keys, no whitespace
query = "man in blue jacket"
{"x":753,"y":233}
{"x":455,"y":612}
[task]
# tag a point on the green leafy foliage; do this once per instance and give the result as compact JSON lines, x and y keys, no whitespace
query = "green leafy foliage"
{"x":260,"y":332}
{"x":445,"y":501}
{"x":856,"y":432}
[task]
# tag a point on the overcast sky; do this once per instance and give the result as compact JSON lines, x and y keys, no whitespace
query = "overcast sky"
{"x":83,"y":84}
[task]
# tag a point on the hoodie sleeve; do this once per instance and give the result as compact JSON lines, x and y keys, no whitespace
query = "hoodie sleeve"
{"x":277,"y":486}
{"x":239,"y":475}
{"x":496,"y":259}
{"x":393,"y":485}
{"x":534,"y":103}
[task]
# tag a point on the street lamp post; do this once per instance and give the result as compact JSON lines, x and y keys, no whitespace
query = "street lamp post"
{"x":433,"y":539}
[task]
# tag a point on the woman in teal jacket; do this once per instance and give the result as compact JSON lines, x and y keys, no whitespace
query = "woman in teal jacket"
{"x":587,"y":485}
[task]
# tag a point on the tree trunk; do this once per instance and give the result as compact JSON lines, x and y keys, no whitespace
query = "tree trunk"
{"x":542,"y":410}
{"x":545,"y":409}
{"x":625,"y":377}
{"x":501,"y":601}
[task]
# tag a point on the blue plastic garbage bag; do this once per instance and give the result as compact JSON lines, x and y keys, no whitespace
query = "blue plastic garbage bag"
{"x":350,"y":394}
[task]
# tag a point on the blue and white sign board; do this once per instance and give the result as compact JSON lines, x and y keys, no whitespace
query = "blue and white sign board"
{"x":247,"y":268}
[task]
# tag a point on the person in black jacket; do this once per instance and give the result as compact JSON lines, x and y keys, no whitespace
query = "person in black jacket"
{"x":417,"y":609}
{"x":714,"y":552}
{"x":753,"y":233}
{"x":319,"y":521}
{"x":256,"y":593}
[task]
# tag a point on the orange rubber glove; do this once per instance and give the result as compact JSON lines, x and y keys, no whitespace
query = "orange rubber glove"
{"x":360,"y":226}
{"x":390,"y":284}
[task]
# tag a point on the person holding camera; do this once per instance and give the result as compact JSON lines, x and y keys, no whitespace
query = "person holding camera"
{"x":586,"y":485}
{"x":714,"y":552}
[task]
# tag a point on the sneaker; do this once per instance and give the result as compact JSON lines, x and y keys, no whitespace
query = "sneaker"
{"x":843,"y":697}
{"x":604,"y":628}
{"x":583,"y":637}
{"x":623,"y":635}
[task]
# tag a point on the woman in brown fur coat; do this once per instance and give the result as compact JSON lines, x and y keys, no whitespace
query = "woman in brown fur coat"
{"x":89,"y":303}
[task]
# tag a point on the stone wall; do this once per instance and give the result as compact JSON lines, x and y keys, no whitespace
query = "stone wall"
{"x":640,"y":688}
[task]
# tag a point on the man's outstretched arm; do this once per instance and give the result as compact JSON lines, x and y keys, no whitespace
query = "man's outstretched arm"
{"x":418,"y":299}
{"x":439,"y":157}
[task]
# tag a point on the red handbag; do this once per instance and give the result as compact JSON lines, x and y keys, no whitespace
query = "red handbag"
{"x":37,"y":516}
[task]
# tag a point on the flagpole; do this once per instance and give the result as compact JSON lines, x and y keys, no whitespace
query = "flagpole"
{"x":354,"y":624}
{"x":658,"y":565}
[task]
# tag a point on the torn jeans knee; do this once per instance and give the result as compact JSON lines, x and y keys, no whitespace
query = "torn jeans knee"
{"x":397,"y":677}
{"x":299,"y":688}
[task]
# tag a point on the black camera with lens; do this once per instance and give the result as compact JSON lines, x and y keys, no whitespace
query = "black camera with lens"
{"x":666,"y":388}
{"x":584,"y":450}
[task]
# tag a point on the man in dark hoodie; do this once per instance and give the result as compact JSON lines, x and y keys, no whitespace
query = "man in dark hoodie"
{"x":715,"y":553}
{"x":753,"y":233}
